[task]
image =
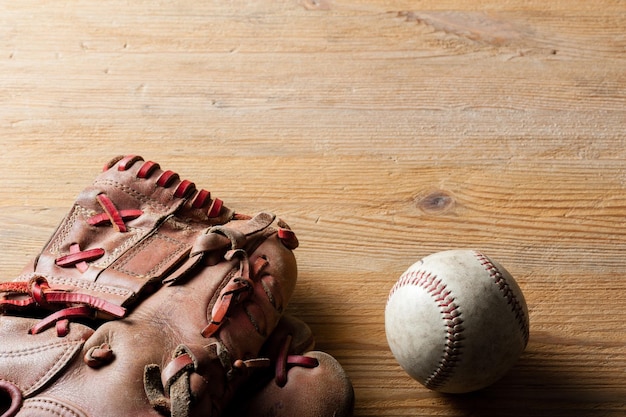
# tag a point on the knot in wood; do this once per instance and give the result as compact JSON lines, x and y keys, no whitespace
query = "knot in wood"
{"x":435,"y":202}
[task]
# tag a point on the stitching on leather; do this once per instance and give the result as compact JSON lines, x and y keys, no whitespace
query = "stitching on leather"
{"x":135,"y":194}
{"x":139,"y":248}
{"x":451,"y":315}
{"x":59,"y":364}
{"x":65,"y":230}
{"x":85,"y":285}
{"x":36,"y":349}
{"x":507,"y":292}
{"x":67,"y":350}
{"x":51,"y":406}
{"x":132,"y":236}
{"x":10,"y":381}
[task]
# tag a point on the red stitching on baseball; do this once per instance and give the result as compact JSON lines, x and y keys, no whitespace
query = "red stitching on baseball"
{"x":451,"y":315}
{"x":507,"y":292}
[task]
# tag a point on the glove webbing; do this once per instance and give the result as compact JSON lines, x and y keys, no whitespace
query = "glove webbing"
{"x":184,"y":189}
{"x":37,"y":291}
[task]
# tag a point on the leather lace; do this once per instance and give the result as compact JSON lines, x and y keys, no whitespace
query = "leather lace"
{"x":15,"y":398}
{"x":284,"y":362}
{"x":70,"y":305}
{"x":169,"y":389}
{"x":238,"y":288}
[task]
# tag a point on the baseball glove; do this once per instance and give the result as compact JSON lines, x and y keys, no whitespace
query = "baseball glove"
{"x":151,"y":298}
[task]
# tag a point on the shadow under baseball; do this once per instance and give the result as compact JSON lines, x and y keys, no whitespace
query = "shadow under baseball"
{"x":540,"y":384}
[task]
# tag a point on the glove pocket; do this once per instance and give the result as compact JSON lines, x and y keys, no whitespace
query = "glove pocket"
{"x":31,"y":362}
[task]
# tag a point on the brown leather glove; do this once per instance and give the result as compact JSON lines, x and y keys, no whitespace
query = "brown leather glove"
{"x":151,"y":298}
{"x":303,"y":382}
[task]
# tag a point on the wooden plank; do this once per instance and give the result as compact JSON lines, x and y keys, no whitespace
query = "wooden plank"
{"x":382,"y":131}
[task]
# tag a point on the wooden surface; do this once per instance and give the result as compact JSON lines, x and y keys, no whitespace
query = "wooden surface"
{"x":382,"y":131}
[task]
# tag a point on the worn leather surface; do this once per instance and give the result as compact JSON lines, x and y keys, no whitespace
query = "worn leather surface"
{"x":315,"y":384}
{"x":321,"y":391}
{"x":185,"y":260}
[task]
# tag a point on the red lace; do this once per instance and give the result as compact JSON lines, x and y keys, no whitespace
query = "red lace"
{"x":236,"y":290}
{"x":284,"y":362}
{"x":184,"y":189}
{"x":69,"y":305}
{"x":74,"y":305}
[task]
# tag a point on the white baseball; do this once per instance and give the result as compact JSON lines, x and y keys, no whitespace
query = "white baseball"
{"x":456,"y":321}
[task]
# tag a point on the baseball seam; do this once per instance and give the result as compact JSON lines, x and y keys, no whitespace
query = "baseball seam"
{"x":507,"y":292}
{"x":452,"y":318}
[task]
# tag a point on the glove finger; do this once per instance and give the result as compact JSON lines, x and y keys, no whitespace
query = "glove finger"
{"x":321,"y":391}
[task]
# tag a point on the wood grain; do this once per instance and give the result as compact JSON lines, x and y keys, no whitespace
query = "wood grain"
{"x":382,"y":131}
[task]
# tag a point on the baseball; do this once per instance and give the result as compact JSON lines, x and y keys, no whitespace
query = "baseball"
{"x":456,"y":321}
